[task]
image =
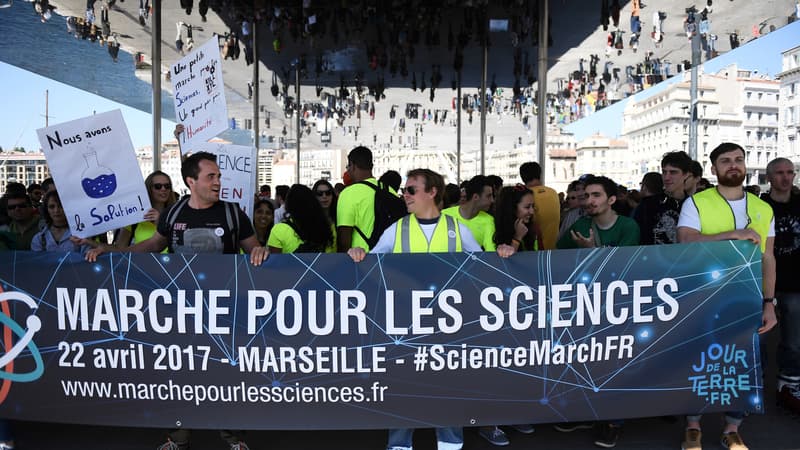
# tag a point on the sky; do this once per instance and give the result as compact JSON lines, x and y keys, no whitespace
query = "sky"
{"x":762,"y":54}
{"x":23,"y":110}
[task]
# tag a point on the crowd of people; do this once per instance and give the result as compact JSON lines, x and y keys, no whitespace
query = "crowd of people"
{"x":482,"y":214}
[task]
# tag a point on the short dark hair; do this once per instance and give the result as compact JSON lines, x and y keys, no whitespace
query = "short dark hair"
{"x":34,"y":186}
{"x":475,"y":186}
{"x":725,"y":147}
{"x":361,"y":157}
{"x":696,"y":168}
{"x":530,"y":171}
{"x":14,"y":195}
{"x":281,"y":191}
{"x":653,"y":182}
{"x":452,"y":195}
{"x":679,"y":159}
{"x":497,"y":181}
{"x":609,"y":186}
{"x":265,"y":188}
{"x":432,"y":180}
{"x":573,"y":186}
{"x":191,"y":165}
{"x":13,"y":187}
{"x":47,"y":182}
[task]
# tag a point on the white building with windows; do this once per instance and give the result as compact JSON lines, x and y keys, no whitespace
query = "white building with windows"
{"x":789,"y":106}
{"x":602,"y":155}
{"x":22,"y":167}
{"x":733,"y":105}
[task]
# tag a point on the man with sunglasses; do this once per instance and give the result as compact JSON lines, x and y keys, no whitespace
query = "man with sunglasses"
{"x":24,"y":223}
{"x":424,"y":230}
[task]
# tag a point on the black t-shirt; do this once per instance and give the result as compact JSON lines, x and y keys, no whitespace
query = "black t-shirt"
{"x":787,"y":242}
{"x":204,"y":230}
{"x":657,"y":216}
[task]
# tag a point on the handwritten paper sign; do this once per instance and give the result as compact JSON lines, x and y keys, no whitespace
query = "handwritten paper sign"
{"x":237,"y":169}
{"x":96,"y":173}
{"x":199,"y":95}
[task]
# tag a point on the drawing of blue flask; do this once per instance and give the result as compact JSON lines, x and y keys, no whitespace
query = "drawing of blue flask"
{"x":97,"y":181}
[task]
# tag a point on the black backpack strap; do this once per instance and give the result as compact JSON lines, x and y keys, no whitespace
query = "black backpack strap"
{"x":232,"y":218}
{"x":358,"y":230}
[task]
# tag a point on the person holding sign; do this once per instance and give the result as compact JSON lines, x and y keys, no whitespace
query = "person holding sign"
{"x":424,"y":230}
{"x":727,"y":212}
{"x":200,"y":223}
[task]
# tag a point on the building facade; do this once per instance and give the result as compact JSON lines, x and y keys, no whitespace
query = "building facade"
{"x":22,"y":167}
{"x":789,"y":105}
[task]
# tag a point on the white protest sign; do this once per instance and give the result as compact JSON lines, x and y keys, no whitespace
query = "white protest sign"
{"x":237,"y":170}
{"x":199,"y":95}
{"x":96,"y":173}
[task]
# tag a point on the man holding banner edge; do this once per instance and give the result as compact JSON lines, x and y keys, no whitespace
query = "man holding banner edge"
{"x":705,"y":217}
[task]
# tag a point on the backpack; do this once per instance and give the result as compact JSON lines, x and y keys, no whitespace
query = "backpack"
{"x":389,"y":208}
{"x":305,"y":247}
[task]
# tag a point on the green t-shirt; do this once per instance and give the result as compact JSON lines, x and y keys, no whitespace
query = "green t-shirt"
{"x":624,"y":232}
{"x":356,"y":208}
{"x":481,"y":226}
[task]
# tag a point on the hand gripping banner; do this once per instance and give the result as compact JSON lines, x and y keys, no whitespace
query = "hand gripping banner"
{"x":320,"y":342}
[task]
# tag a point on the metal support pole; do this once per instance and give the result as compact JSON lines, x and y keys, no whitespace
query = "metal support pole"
{"x":297,"y":115}
{"x":156,"y":83}
{"x":256,"y":83}
{"x":693,"y":97}
{"x":458,"y":128}
{"x":541,"y":122}
{"x":482,"y":98}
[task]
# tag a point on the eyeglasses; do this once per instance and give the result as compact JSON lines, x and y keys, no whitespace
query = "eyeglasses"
{"x":324,"y":193}
{"x":16,"y":205}
{"x":159,"y":186}
{"x":410,"y":190}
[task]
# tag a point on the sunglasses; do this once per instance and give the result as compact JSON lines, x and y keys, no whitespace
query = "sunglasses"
{"x":410,"y":190}
{"x":17,"y":205}
{"x":159,"y":186}
{"x":324,"y":193}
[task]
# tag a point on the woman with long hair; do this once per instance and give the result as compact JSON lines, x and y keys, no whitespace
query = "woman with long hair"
{"x":159,"y":188}
{"x":307,"y":228}
{"x":513,"y":220}
{"x":263,"y":220}
{"x":326,"y":195}
{"x":55,"y":237}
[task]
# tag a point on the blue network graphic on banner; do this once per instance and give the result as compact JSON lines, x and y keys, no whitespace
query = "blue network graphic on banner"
{"x":320,"y":342}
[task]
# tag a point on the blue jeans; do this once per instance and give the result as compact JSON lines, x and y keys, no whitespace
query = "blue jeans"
{"x":446,"y":438}
{"x":789,"y":346}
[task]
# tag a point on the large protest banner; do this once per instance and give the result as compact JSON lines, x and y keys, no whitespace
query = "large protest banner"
{"x":199,"y":95}
{"x":237,"y":172}
{"x":95,"y":169}
{"x":317,"y":341}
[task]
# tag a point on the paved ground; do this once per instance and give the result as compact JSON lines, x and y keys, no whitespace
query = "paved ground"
{"x":775,"y":430}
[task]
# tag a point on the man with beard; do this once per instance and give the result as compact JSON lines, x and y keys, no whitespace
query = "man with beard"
{"x":786,"y":205}
{"x":724,"y":213}
{"x":658,"y":214}
{"x":601,"y":226}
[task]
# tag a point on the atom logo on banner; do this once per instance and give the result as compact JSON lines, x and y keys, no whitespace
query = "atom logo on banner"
{"x":24,"y":341}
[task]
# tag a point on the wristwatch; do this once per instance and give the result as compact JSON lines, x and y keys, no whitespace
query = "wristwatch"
{"x":772,"y":300}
